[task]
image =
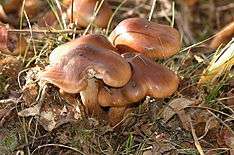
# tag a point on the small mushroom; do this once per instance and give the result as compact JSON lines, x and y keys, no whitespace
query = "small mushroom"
{"x":66,"y":3}
{"x":33,"y":8}
{"x":48,"y":19}
{"x":11,"y":44}
{"x":83,"y":13}
{"x":78,"y":68}
{"x":11,"y":10}
{"x":148,"y":78}
{"x":8,"y":11}
{"x":223,"y":36}
{"x":142,"y":36}
{"x":11,"y":6}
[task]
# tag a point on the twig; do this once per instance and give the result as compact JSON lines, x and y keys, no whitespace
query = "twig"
{"x":207,"y":108}
{"x":197,"y":144}
{"x":61,"y":13}
{"x":221,"y":122}
{"x":173,"y":14}
{"x":7,"y":101}
{"x":72,"y":10}
{"x":152,"y":10}
{"x":58,"y":145}
{"x":43,"y":31}
{"x":196,"y":44}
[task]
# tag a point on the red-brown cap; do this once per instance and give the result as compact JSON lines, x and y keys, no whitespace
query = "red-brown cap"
{"x":83,"y":11}
{"x":223,"y":36}
{"x":48,"y":19}
{"x":75,"y":64}
{"x":11,"y":6}
{"x":148,"y":78}
{"x":142,"y":36}
{"x":98,"y":41}
{"x":33,"y":8}
{"x":11,"y":44}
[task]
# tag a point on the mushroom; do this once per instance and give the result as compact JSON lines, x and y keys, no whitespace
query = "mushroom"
{"x":8,"y":11}
{"x":148,"y":78}
{"x":78,"y":68}
{"x":33,"y":8}
{"x":98,"y":41}
{"x":66,"y":3}
{"x":11,"y":10}
{"x":142,"y":36}
{"x":83,"y":13}
{"x":11,"y":6}
{"x":11,"y":44}
{"x":223,"y":36}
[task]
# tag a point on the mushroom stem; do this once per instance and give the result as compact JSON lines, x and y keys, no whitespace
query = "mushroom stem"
{"x":89,"y":98}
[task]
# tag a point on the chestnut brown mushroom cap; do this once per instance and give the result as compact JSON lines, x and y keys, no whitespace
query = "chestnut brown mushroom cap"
{"x":149,"y":38}
{"x":223,"y":36}
{"x":11,"y":44}
{"x":79,"y":63}
{"x":10,"y":6}
{"x":76,"y":66}
{"x":83,"y":11}
{"x":33,"y":8}
{"x":148,"y":78}
{"x":78,"y":69}
{"x":99,"y":41}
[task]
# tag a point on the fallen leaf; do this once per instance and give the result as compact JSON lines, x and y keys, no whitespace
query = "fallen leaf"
{"x":225,"y":138}
{"x":178,"y":106}
{"x":32,"y":111}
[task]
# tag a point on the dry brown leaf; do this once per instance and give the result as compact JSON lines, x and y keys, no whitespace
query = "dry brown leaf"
{"x":225,"y":138}
{"x":50,"y":109}
{"x":178,"y":106}
{"x":52,"y":116}
{"x":32,"y":111}
{"x":161,"y":148}
{"x":203,"y":122}
{"x":5,"y":113}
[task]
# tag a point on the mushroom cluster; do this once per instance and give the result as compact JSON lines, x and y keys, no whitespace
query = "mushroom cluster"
{"x":112,"y":76}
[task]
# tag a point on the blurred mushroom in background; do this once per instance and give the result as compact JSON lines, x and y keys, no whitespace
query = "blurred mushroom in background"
{"x":11,"y":44}
{"x":11,"y":10}
{"x":83,"y":12}
{"x":223,"y":36}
